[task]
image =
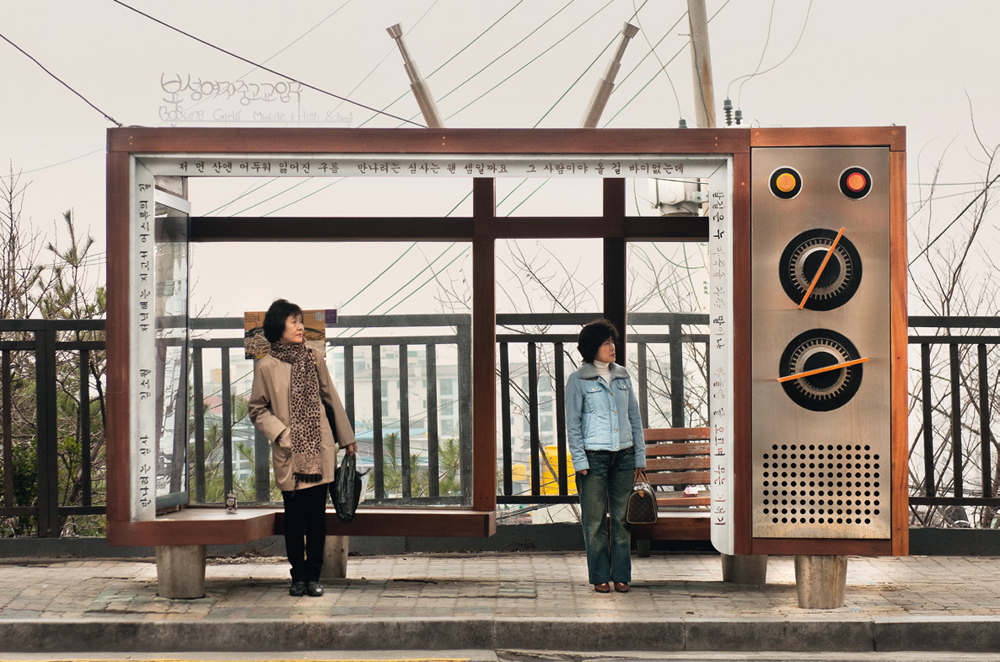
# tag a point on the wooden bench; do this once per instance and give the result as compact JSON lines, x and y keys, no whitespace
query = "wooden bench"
{"x":677,"y":458}
{"x":181,"y":537}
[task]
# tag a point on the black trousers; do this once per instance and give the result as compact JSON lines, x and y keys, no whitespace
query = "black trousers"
{"x":305,"y":531}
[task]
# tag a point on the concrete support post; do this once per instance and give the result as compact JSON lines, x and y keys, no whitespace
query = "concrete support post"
{"x":744,"y":569}
{"x":180,"y":571}
{"x":820,"y":581}
{"x":335,"y":558}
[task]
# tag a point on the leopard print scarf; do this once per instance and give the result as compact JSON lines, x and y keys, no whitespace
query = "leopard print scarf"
{"x":306,"y":409}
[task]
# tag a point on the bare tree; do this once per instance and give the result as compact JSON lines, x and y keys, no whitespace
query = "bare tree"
{"x":953,"y":273}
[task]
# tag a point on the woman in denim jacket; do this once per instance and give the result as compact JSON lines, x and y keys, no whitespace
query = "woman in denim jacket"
{"x":607,"y":447}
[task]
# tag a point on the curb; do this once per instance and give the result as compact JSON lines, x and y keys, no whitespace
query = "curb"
{"x":971,"y":634}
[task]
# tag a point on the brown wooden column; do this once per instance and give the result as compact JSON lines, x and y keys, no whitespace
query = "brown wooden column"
{"x":484,"y":325}
{"x":117,"y":339}
{"x":614,"y":260}
{"x":899,"y":474}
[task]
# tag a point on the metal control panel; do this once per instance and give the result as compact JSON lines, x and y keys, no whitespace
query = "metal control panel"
{"x":821,"y":343}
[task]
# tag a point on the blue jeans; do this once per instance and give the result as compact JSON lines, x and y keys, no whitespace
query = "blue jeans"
{"x":604,"y":489}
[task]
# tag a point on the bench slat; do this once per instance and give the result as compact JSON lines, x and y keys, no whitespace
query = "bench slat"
{"x":679,"y":478}
{"x":676,"y":434}
{"x":673,"y":502}
{"x":678,"y":457}
{"x":660,"y":450}
{"x":677,"y":463}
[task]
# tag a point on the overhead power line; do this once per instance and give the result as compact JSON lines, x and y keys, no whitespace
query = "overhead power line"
{"x":64,"y":83}
{"x":261,"y":66}
{"x":747,"y":77}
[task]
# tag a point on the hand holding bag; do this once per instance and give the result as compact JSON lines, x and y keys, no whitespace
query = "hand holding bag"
{"x":641,"y":508}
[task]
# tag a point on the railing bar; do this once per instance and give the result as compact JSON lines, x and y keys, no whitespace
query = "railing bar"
{"x":947,"y":340}
{"x":47,"y":413}
{"x":378,"y":455}
{"x":199,"y":426}
{"x":404,"y":420}
{"x":17,"y":345}
{"x":361,"y":341}
{"x":19,"y":511}
{"x":676,"y":377}
{"x":985,"y":436}
{"x":349,"y":383}
{"x":465,"y":406}
{"x":954,"y":322}
{"x":992,"y":502}
{"x":536,"y":472}
{"x":925,"y":375}
{"x":84,"y":409}
{"x":643,"y":387}
{"x":956,"y":420}
{"x":227,"y":427}
{"x":560,"y":359}
{"x":433,"y":450}
{"x":508,"y":466}
{"x":8,"y":441}
{"x":343,"y":321}
{"x":633,"y":338}
{"x":36,"y":325}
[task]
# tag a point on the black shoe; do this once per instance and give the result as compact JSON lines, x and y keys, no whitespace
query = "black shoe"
{"x":298,"y":589}
{"x":314,"y":589}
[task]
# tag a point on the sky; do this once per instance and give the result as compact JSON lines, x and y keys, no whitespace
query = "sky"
{"x":925,"y":65}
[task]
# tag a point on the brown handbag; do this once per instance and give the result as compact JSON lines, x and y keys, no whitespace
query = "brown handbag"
{"x":641,"y":508}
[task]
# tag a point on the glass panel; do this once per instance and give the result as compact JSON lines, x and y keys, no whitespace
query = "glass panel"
{"x":170,"y":265}
{"x":546,"y":290}
{"x":549,"y":197}
{"x":668,"y":324}
{"x":326,"y":196}
{"x":399,"y":354}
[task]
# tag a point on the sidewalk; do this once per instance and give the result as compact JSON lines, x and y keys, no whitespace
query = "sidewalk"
{"x":499,"y":601}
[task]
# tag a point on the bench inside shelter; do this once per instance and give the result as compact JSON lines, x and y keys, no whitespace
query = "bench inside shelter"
{"x":677,"y":459}
{"x":181,"y":537}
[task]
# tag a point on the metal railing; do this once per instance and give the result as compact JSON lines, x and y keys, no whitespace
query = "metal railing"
{"x":42,"y":348}
{"x":953,"y":452}
{"x":957,"y":388}
{"x":645,"y":331}
{"x":374,"y":450}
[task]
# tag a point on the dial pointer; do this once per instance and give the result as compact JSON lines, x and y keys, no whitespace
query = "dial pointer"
{"x":822,"y":266}
{"x":810,"y":373}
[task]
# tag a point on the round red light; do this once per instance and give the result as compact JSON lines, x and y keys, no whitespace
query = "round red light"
{"x":856,"y":181}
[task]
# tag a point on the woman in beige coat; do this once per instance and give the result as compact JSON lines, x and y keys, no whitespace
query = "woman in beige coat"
{"x":291,"y":390}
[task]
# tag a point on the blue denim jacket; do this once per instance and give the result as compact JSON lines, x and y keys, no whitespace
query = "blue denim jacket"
{"x":602,"y":418}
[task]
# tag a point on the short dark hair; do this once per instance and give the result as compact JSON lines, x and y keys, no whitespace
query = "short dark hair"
{"x":277,"y":314}
{"x":593,"y":335}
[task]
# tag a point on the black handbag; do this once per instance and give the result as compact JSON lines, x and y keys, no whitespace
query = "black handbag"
{"x":641,"y":508}
{"x":345,"y":490}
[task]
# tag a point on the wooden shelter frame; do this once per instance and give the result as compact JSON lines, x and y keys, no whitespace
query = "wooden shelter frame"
{"x":129,"y":146}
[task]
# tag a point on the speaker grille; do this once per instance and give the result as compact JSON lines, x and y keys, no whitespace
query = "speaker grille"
{"x":821,"y":484}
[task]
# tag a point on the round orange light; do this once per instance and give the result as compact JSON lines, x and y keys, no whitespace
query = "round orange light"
{"x":856,"y":181}
{"x":785,"y":182}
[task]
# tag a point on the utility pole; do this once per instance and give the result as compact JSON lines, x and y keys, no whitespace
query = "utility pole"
{"x":701,"y":62}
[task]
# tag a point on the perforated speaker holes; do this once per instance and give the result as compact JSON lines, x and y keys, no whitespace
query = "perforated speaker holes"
{"x":821,"y":484}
